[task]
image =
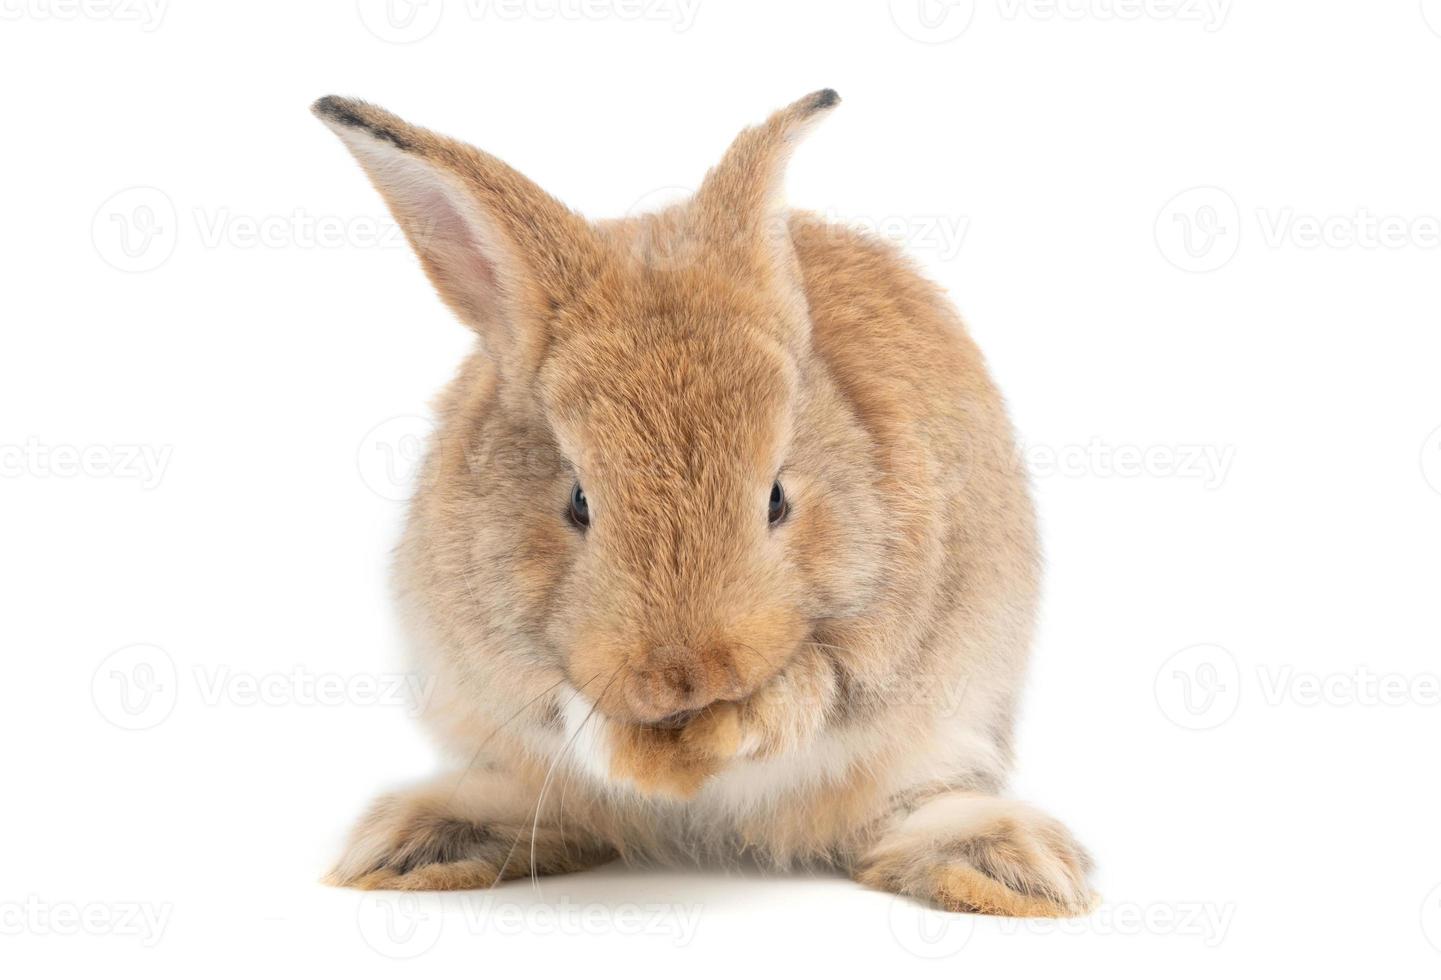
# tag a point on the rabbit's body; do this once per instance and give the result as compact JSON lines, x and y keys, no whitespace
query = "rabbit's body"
{"x":665,"y":677}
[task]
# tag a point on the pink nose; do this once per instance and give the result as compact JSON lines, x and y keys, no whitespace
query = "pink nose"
{"x":670,"y":682}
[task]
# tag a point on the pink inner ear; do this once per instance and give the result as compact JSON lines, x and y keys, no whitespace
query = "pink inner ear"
{"x":451,"y":245}
{"x":468,"y":260}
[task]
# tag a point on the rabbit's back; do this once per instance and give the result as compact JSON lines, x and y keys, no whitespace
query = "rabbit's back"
{"x":965,"y":567}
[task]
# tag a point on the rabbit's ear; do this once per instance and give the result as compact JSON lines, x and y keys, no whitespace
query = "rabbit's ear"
{"x":739,"y":208}
{"x":499,"y":250}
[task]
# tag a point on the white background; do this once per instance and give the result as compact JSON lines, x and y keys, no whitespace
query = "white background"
{"x":210,"y":388}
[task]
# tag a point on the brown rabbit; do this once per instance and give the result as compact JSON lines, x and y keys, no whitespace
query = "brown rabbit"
{"x":721,"y":546}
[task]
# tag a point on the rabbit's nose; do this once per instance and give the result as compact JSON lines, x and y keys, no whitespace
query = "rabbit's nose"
{"x":671,"y":683}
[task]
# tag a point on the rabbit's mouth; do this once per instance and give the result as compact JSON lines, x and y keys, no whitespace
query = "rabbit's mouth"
{"x":677,"y":720}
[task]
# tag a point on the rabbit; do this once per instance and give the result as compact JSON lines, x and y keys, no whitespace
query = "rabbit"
{"x":721,"y":550}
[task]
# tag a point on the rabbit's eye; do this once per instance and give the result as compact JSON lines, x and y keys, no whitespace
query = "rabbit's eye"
{"x":778,"y":505}
{"x":579,"y":509}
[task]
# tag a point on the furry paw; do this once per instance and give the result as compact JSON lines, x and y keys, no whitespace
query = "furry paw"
{"x":981,"y":854}
{"x":424,"y":841}
{"x":419,"y":852}
{"x":715,"y":733}
{"x":676,"y":762}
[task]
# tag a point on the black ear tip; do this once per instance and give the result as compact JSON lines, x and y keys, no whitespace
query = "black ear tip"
{"x":337,"y":110}
{"x":355,"y":114}
{"x":824,"y":99}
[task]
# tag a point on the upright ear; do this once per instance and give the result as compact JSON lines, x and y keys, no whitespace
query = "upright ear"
{"x":500,"y":251}
{"x":739,"y":209}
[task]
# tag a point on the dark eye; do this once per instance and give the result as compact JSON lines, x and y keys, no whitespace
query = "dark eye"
{"x":778,"y":506}
{"x":579,"y":510}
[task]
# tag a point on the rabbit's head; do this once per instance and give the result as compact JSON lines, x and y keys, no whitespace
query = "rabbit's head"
{"x":643,"y":478}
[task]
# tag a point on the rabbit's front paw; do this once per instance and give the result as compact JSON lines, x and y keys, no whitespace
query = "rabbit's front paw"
{"x":435,"y":839}
{"x":422,"y":853}
{"x":676,"y":762}
{"x":970,"y":853}
{"x":715,"y":733}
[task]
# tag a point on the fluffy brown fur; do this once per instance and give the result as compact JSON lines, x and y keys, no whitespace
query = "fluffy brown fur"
{"x":682,"y":678}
